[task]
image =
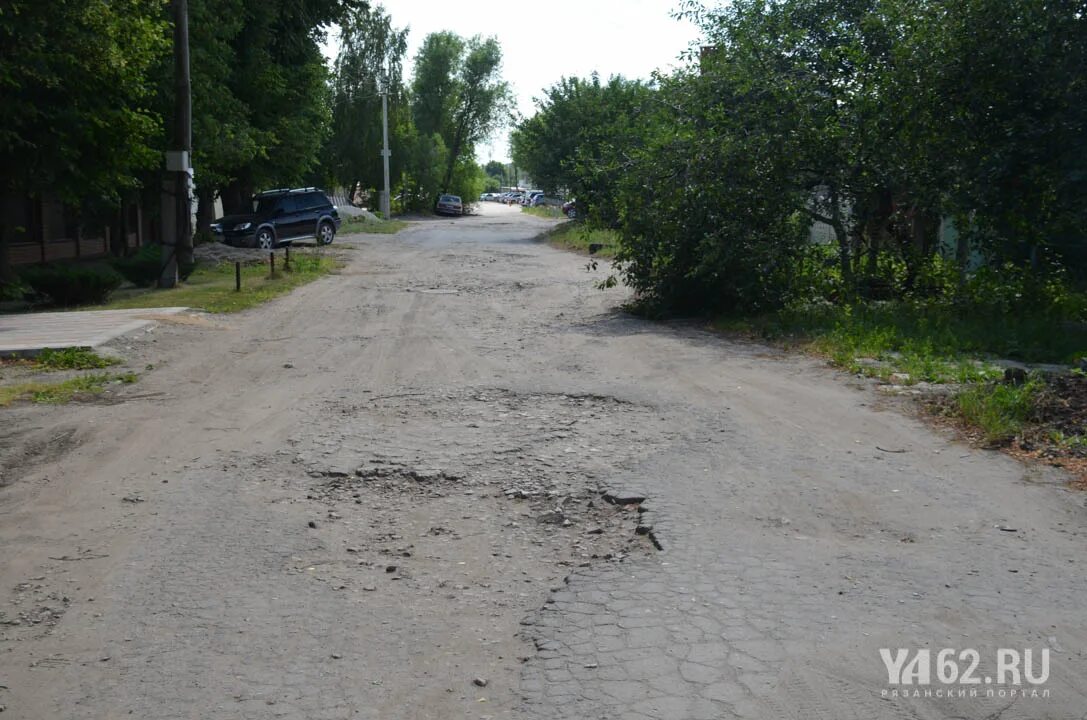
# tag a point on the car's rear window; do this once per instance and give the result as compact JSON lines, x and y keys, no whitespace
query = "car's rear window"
{"x":450,"y":198}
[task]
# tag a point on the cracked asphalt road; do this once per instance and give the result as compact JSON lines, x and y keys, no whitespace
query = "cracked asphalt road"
{"x":358,"y":500}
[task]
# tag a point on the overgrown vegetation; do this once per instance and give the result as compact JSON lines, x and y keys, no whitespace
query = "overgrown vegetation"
{"x":70,"y":285}
{"x":923,"y":136}
{"x":1000,"y":410}
{"x":73,"y":358}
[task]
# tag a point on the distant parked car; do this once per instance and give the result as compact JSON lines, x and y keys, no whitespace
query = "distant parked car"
{"x":569,"y":209}
{"x":449,"y":205}
{"x":280,"y":216}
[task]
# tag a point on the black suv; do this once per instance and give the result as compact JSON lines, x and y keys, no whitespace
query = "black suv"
{"x":280,"y":216}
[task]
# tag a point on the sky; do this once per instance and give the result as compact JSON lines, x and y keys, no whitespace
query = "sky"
{"x":545,"y":41}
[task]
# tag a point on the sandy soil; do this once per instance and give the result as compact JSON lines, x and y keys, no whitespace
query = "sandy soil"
{"x":387,"y":496}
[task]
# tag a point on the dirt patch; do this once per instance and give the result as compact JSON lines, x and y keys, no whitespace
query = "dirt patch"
{"x":22,"y":450}
{"x":1062,"y":407}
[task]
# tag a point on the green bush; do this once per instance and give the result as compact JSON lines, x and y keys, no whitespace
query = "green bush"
{"x":68,"y":285}
{"x":141,"y":269}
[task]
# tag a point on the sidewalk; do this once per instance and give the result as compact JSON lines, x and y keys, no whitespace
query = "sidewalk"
{"x":28,"y":334}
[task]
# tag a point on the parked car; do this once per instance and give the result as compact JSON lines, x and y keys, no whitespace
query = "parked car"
{"x":449,"y":205}
{"x":279,"y":217}
{"x":569,"y":209}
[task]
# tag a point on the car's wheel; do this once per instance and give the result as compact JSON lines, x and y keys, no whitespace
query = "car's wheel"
{"x":266,"y":239}
{"x":571,"y":213}
{"x":326,"y":232}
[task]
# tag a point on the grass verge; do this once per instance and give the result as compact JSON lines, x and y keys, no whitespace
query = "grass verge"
{"x":577,"y":237}
{"x":544,"y":211}
{"x":56,"y":393}
{"x":364,"y":224}
{"x":906,"y":343}
{"x":211,"y":287}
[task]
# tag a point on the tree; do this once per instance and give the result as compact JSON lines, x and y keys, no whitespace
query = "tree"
{"x":576,"y":140}
{"x":458,"y":94}
{"x":75,"y":79}
{"x":74,"y":90}
{"x":224,"y":137}
{"x":279,"y":75}
{"x":371,"y":56}
{"x":433,"y":88}
{"x":481,"y":102}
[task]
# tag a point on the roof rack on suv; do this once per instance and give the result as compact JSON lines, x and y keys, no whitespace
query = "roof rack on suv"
{"x":278,"y":191}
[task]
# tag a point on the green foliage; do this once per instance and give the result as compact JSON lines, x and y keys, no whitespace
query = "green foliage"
{"x":999,"y":409}
{"x":143,"y":268}
{"x":73,"y":358}
{"x":883,"y":119}
{"x":459,"y":96}
{"x":580,"y":139}
{"x":75,"y":80}
{"x":270,"y":110}
{"x":70,"y":285}
{"x":941,"y":329}
{"x":427,"y":157}
{"x":371,"y":56}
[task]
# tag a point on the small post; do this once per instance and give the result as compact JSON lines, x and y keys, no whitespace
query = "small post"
{"x":287,"y":258}
{"x":237,"y":277}
{"x":272,"y":262}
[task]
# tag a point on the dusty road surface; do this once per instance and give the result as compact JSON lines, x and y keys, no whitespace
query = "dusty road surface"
{"x":413,"y":490}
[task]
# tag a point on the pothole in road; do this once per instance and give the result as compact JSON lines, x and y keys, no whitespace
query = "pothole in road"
{"x":592,"y":524}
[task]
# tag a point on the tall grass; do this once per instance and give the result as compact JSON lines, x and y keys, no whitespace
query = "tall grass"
{"x":1000,"y":411}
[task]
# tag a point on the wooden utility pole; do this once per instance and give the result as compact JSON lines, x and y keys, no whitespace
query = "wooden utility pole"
{"x":177,"y":198}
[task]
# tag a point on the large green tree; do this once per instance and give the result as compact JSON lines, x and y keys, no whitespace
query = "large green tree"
{"x":577,"y":139}
{"x":75,"y":85}
{"x":458,"y":94}
{"x":371,"y":57}
{"x":278,"y":74}
{"x":75,"y":91}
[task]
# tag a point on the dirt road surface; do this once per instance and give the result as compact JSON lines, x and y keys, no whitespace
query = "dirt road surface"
{"x":413,"y":490}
